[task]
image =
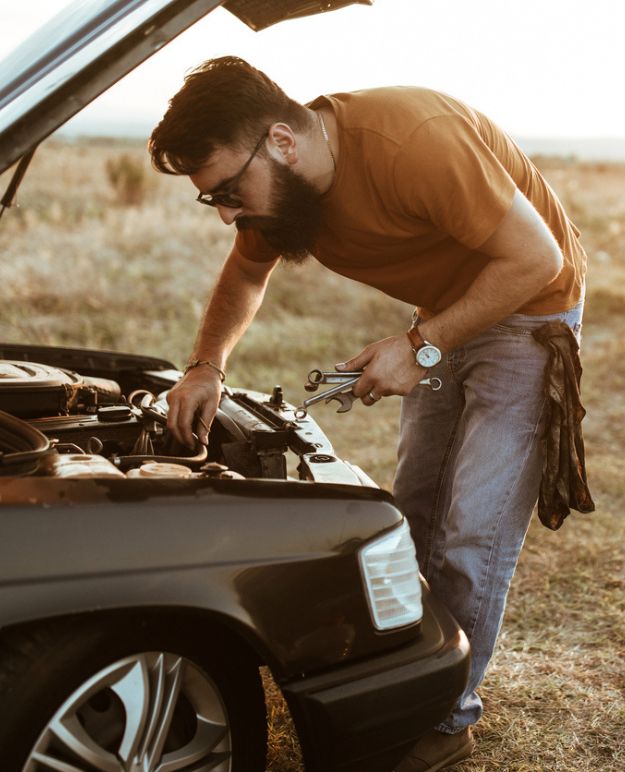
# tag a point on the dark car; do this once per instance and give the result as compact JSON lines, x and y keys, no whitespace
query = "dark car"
{"x":142,"y":584}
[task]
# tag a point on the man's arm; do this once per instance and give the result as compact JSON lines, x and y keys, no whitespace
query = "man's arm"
{"x":525,"y":258}
{"x":236,"y":297}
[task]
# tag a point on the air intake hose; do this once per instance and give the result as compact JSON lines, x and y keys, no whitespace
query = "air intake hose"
{"x":21,"y":446}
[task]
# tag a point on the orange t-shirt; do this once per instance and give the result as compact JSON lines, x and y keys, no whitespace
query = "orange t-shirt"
{"x":422,"y":182}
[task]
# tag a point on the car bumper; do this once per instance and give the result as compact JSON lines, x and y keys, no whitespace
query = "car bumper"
{"x":367,"y":715}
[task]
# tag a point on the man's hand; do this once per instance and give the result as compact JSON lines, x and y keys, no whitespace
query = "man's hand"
{"x":193,"y":402}
{"x":389,"y":368}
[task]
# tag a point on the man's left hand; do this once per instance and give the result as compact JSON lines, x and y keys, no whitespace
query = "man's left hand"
{"x":389,"y":368}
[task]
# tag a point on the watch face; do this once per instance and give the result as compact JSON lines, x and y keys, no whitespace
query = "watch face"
{"x":428,"y":356}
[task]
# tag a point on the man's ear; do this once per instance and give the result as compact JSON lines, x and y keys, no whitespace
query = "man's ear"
{"x":282,"y":142}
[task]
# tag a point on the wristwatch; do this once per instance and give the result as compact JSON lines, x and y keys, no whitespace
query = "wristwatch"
{"x":426,"y":354}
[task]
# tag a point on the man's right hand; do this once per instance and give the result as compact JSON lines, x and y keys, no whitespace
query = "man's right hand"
{"x":196,"y":396}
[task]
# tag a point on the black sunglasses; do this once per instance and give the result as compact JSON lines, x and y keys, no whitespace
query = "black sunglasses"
{"x":224,"y":197}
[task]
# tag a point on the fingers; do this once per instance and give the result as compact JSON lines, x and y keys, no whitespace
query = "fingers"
{"x":183,"y":425}
{"x":368,"y":389}
{"x":358,"y":362}
{"x":172,"y":417}
{"x":202,"y":426}
{"x":370,"y":398}
{"x":362,"y":386}
{"x":388,"y":367}
{"x":192,"y":406}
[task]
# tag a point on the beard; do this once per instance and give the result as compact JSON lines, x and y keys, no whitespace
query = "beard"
{"x":295,"y":207}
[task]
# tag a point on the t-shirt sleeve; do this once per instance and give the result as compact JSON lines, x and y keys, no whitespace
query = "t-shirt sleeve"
{"x":448,"y":175}
{"x":253,"y":245}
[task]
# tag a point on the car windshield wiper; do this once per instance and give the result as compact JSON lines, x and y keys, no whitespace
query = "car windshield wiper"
{"x":18,"y":175}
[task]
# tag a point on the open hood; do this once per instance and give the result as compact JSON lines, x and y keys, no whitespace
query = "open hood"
{"x":91,"y":44}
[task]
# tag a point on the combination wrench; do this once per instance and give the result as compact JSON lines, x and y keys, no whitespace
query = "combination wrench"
{"x":342,"y":390}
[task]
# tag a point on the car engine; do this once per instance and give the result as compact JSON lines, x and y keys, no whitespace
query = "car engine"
{"x":60,"y":423}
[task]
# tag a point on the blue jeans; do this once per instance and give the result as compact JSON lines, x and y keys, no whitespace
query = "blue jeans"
{"x":469,"y":471}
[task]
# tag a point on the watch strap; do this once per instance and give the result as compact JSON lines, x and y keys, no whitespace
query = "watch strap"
{"x":415,"y":338}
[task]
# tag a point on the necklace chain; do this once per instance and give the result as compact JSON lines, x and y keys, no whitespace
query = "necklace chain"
{"x":327,"y":139}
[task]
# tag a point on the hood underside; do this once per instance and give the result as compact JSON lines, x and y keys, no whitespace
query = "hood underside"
{"x":259,"y":14}
{"x":92,"y":44}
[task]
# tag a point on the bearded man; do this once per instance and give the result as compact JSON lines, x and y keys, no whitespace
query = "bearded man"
{"x":417,"y":194}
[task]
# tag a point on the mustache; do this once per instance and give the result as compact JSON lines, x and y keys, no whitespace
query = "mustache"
{"x":257,"y":222}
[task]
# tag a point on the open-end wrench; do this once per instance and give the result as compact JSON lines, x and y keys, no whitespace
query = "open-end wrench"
{"x":317,"y":377}
{"x":344,"y":383}
{"x":342,"y":392}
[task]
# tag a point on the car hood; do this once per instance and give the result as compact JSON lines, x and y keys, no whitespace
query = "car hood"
{"x":91,"y":44}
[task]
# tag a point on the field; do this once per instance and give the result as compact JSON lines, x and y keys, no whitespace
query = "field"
{"x":84,"y":265}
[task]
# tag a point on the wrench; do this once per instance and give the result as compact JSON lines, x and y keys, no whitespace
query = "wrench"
{"x":344,"y":383}
{"x":342,"y":392}
{"x":434,"y":383}
{"x":317,"y":377}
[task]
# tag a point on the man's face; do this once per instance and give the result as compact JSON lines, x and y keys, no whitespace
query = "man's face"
{"x":292,"y":224}
{"x":274,"y":199}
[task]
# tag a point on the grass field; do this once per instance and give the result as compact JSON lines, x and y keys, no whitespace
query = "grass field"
{"x":80,"y":267}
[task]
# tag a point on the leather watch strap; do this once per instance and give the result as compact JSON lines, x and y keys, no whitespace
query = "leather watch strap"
{"x":416,"y":341}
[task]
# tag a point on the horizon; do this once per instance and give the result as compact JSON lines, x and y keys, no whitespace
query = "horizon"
{"x":538,"y":70}
{"x":606,"y":148}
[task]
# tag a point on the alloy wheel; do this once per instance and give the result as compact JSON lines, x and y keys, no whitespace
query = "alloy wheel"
{"x":149,"y":712}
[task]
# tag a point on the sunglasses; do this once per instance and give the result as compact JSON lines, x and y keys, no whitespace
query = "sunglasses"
{"x":225,"y":196}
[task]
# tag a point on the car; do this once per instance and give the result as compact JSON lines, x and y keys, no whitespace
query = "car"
{"x":143,"y":584}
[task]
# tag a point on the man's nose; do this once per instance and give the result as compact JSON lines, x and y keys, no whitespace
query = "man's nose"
{"x":228,"y":214}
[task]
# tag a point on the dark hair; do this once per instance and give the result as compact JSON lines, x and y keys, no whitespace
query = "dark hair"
{"x":223,"y":101}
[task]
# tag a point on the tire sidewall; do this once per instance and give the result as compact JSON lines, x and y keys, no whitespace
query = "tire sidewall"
{"x":70,"y":656}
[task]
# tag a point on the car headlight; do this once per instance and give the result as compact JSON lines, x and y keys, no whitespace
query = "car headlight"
{"x":391,"y":574}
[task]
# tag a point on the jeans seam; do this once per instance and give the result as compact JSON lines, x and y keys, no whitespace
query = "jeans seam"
{"x":436,"y":512}
{"x":510,"y":330}
{"x":496,"y":525}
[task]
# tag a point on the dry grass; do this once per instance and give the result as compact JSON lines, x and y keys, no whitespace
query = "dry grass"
{"x":78,"y":269}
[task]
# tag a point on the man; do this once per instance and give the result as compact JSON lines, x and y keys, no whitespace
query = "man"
{"x":414,"y":193}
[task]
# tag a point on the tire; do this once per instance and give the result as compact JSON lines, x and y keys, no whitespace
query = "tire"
{"x":128,"y":693}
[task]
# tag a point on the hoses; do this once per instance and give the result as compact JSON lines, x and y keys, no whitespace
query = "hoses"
{"x":21,"y":446}
{"x":145,"y":400}
{"x":127,"y":462}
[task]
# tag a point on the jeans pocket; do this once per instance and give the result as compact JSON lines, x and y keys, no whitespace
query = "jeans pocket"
{"x":513,"y":329}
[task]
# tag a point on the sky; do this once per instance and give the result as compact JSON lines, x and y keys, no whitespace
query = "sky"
{"x":539,"y":68}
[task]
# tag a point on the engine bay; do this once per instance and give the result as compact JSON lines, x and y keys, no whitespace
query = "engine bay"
{"x":107,"y":418}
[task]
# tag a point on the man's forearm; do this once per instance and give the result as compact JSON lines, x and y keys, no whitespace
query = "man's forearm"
{"x":503,"y":285}
{"x":525,"y":258}
{"x":194,"y":399}
{"x":498,"y":291}
{"x":233,"y":304}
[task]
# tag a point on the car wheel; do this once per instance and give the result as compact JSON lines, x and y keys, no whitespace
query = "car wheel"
{"x":128,"y":697}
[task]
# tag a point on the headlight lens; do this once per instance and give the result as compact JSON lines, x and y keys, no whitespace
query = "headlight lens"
{"x":391,"y":574}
